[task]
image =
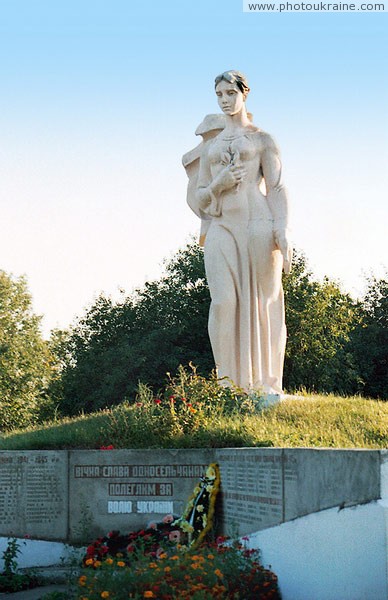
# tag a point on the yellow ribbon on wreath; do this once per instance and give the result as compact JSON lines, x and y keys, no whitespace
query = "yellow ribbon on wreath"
{"x":197,"y":518}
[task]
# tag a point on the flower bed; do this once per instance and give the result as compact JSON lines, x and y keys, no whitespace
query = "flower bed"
{"x":219,"y":570}
{"x":170,"y":560}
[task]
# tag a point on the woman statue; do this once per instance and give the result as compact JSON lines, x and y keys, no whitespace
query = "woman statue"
{"x":245,"y":237}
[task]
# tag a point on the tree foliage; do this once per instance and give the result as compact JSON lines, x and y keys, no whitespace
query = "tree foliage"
{"x":152,"y":331}
{"x":369,"y":342}
{"x":320,"y":319}
{"x":139,"y":338}
{"x":25,"y":359}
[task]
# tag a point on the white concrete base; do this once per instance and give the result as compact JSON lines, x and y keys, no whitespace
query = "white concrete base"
{"x":39,"y":553}
{"x":331,"y":555}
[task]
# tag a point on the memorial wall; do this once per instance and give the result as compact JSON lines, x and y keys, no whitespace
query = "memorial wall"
{"x":78,"y":494}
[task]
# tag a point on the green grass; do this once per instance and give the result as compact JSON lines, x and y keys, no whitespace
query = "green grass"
{"x":314,"y":421}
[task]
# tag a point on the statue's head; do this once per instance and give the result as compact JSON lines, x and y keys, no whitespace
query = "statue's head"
{"x":231,"y":90}
{"x":236,"y":78}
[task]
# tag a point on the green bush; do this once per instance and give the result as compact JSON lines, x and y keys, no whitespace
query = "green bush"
{"x":183,"y":409}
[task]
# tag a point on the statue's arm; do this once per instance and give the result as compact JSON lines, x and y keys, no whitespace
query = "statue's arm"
{"x":277,"y":198}
{"x":209,"y":189}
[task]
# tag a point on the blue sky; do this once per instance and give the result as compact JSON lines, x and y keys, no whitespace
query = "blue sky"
{"x":101,"y":99}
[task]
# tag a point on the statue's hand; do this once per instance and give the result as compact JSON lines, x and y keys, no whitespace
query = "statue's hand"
{"x":283,"y":243}
{"x":229,"y":177}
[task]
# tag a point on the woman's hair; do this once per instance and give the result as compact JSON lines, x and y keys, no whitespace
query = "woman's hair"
{"x":234,"y":77}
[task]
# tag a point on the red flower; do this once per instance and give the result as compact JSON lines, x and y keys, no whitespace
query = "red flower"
{"x":90,"y":550}
{"x":110,"y":447}
{"x":157,"y":401}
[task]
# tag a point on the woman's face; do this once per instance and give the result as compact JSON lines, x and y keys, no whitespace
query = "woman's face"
{"x":230,"y":98}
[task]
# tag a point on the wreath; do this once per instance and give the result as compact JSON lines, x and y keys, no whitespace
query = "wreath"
{"x":197,"y":518}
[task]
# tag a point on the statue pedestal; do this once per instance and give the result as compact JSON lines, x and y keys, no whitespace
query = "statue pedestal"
{"x":263,"y":399}
{"x":270,"y":400}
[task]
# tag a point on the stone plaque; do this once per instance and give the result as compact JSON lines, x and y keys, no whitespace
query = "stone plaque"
{"x":251,"y":489}
{"x":34,"y":494}
{"x":126,"y":489}
{"x":80,"y":494}
{"x":318,"y":479}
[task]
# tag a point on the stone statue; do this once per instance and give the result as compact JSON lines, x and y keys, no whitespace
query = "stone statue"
{"x":235,"y":188}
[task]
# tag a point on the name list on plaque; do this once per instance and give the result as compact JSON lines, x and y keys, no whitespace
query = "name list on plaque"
{"x":33,"y":494}
{"x":252,"y":490}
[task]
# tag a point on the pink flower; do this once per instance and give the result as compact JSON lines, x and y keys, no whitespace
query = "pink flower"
{"x":168,"y":519}
{"x":174,"y":536}
{"x":152,"y":526}
{"x":221,"y":540}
